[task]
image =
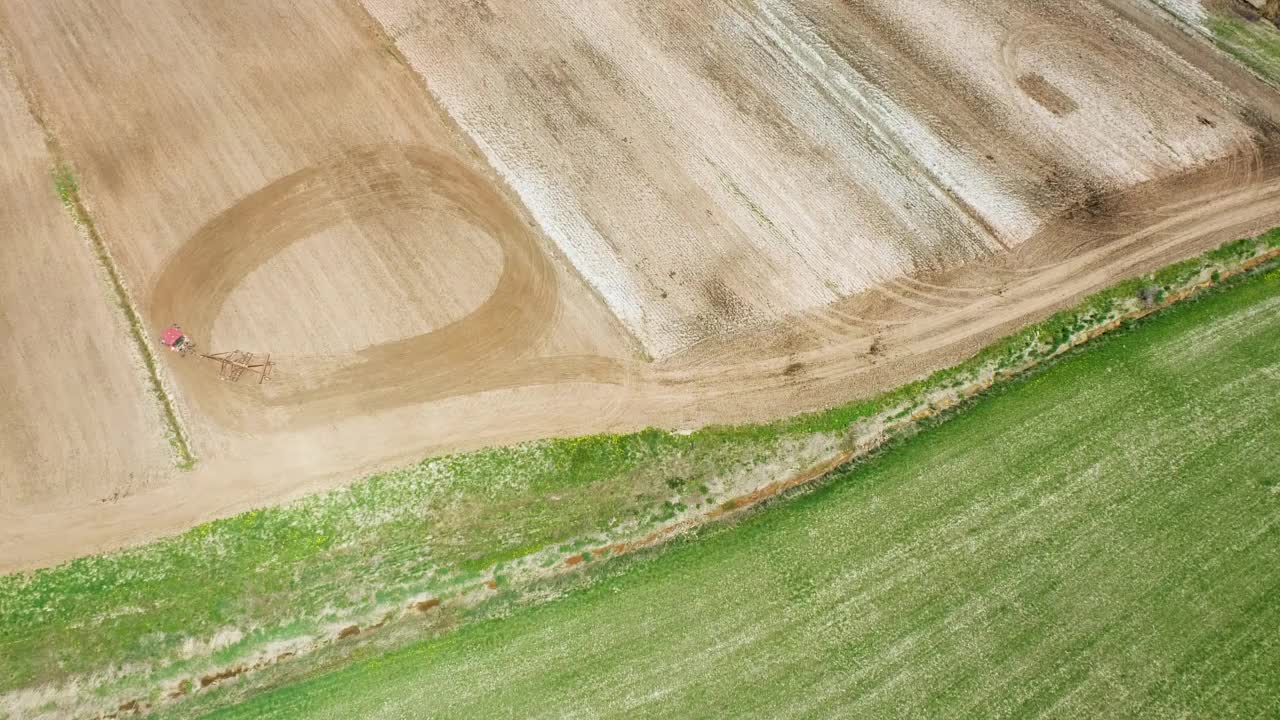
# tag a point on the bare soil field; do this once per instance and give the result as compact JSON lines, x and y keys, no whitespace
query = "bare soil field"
{"x":457,"y":225}
{"x":77,"y":416}
{"x":291,"y":191}
{"x":710,"y":166}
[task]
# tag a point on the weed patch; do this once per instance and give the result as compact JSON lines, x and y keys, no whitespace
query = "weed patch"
{"x":1254,"y":43}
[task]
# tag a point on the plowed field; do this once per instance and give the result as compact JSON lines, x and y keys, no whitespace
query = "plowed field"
{"x":714,"y":165}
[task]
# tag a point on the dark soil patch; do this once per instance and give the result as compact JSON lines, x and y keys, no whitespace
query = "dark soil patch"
{"x":208,"y":680}
{"x":1047,"y":94}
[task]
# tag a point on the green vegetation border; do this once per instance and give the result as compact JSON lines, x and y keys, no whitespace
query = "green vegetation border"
{"x":1255,"y":43}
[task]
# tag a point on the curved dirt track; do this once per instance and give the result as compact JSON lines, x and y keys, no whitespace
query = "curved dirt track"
{"x":470,"y":355}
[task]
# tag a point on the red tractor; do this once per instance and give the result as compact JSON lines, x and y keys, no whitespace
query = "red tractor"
{"x":177,"y":341}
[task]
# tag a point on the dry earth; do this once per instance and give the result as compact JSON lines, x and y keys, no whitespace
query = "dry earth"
{"x":783,"y":213}
{"x":222,"y":150}
{"x":712,"y":165}
{"x":73,"y":407}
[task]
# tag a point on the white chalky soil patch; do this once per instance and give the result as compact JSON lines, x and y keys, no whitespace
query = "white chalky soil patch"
{"x":710,"y":166}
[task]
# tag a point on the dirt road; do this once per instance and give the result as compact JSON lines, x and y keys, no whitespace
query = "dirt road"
{"x":461,"y":320}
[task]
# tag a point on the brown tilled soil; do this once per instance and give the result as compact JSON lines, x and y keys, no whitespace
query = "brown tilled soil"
{"x":76,"y":418}
{"x":227,"y":152}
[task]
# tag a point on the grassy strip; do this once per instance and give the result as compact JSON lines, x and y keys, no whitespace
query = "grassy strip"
{"x":140,"y":622}
{"x":64,"y":182}
{"x":1097,"y":539}
{"x":1256,"y":43}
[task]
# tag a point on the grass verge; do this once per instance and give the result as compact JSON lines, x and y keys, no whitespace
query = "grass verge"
{"x":433,"y":546}
{"x":1119,"y":555}
{"x":1256,"y":43}
{"x":64,"y":182}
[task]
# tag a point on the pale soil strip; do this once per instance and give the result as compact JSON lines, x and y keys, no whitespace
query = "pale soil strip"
{"x":686,"y":179}
{"x":991,"y":213}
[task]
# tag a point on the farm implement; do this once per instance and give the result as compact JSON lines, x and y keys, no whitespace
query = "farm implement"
{"x":231,"y":365}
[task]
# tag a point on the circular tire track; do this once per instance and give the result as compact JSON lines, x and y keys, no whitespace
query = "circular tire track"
{"x":474,"y":353}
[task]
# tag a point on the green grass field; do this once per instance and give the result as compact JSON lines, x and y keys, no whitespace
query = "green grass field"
{"x":1100,"y":539}
{"x":1255,"y":43}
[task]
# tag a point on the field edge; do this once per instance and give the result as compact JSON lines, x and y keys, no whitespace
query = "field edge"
{"x":437,"y":599}
{"x":67,"y":187}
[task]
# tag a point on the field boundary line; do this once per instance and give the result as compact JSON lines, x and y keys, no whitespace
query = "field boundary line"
{"x":68,"y":190}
